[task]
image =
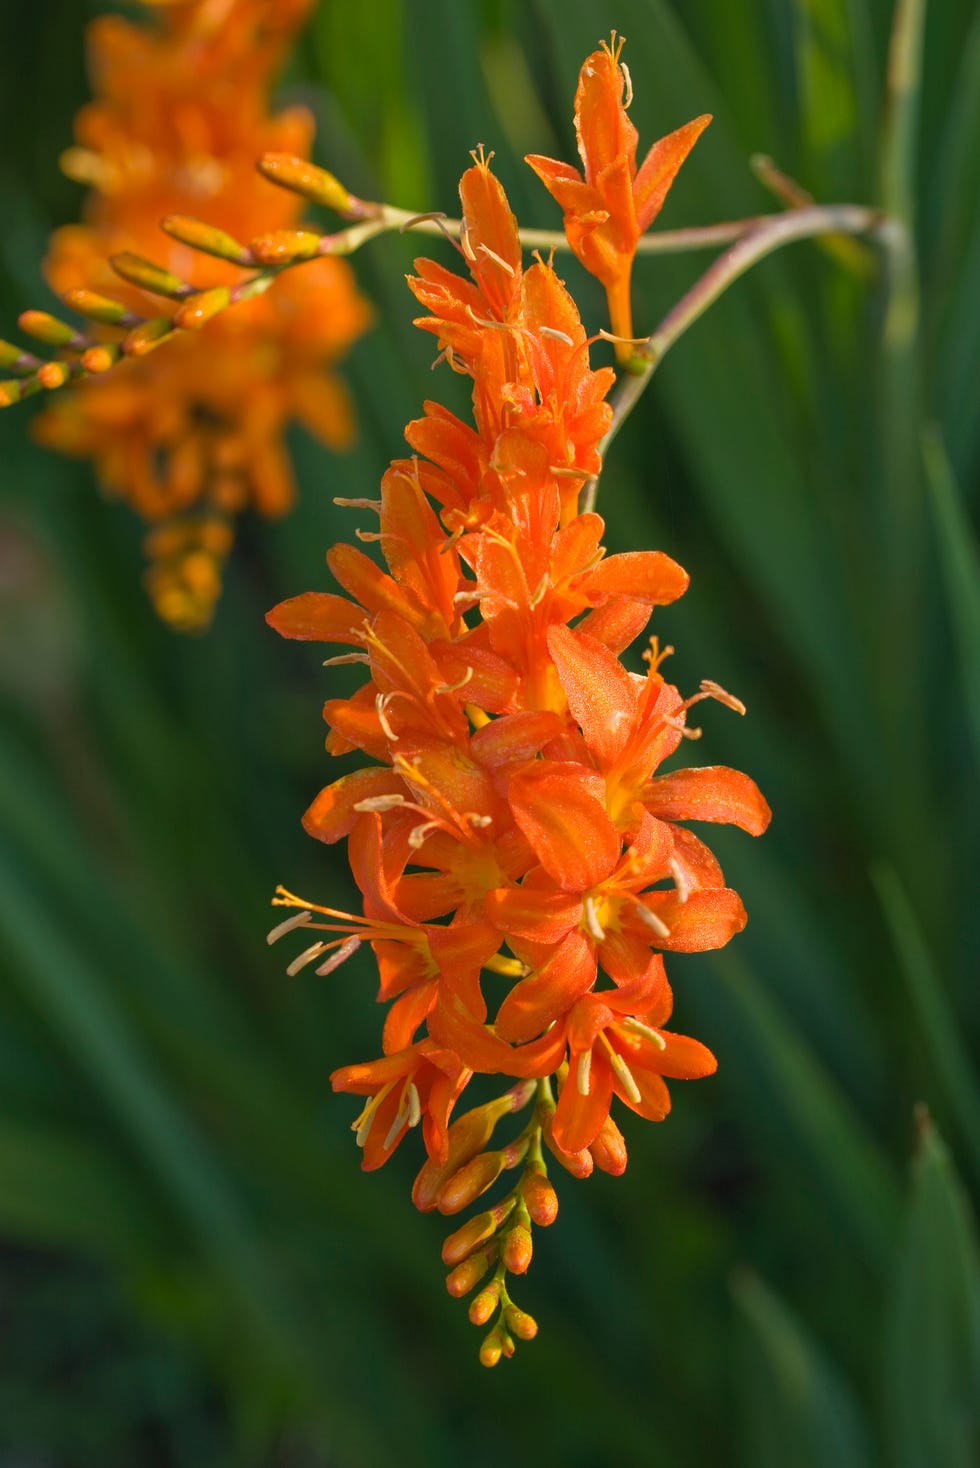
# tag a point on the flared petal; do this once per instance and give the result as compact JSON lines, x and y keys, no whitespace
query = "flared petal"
{"x":660,"y":167}
{"x":534,"y":1003}
{"x":711,"y":793}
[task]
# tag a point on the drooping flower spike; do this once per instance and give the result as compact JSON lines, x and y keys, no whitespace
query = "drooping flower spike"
{"x":516,"y":844}
{"x":611,"y":202}
{"x":193,"y":435}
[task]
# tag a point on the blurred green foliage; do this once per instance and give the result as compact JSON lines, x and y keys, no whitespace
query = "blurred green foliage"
{"x":193,"y":1270}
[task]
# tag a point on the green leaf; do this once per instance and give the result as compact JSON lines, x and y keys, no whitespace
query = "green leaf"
{"x":796,"y":1405}
{"x":932,"y":1347}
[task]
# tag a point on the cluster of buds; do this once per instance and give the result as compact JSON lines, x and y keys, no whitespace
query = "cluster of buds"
{"x":194,"y":436}
{"x":515,"y":840}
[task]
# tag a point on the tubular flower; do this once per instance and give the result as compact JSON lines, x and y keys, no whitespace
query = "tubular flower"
{"x":521,"y":855}
{"x":192,"y":435}
{"x":611,"y":203}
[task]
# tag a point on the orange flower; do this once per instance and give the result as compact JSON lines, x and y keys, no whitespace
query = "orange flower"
{"x":193,"y":434}
{"x":614,"y":203}
{"x":515,"y":841}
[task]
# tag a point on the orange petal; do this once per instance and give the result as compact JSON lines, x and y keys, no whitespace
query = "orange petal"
{"x":649,"y":575}
{"x":599,"y":690}
{"x":318,"y":616}
{"x":711,"y":793}
{"x":558,"y":807}
{"x":602,"y":123}
{"x":579,"y":1118}
{"x":489,"y":222}
{"x":332,"y":814}
{"x":534,"y":1003}
{"x":660,"y":166}
{"x":706,"y":920}
{"x":544,"y":917}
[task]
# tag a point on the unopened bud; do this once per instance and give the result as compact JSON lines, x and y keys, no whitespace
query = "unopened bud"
{"x":475,"y":1232}
{"x":579,"y":1164}
{"x":12,"y":356}
{"x":524,"y":1326}
{"x":467,"y":1136}
{"x":197,"y":310}
{"x":204,"y":237}
{"x":609,"y":1149}
{"x":484,"y":1304}
{"x":517,"y":1250}
{"x":540,"y":1198}
{"x":467,"y":1276}
{"x":10,"y":392}
{"x":53,"y":375}
{"x":48,"y":329}
{"x":149,"y":334}
{"x":285,"y":246}
{"x":303,"y":178}
{"x":147,"y":276}
{"x":99,"y":308}
{"x":492,"y":1348}
{"x":100,"y":358}
{"x":471,"y":1182}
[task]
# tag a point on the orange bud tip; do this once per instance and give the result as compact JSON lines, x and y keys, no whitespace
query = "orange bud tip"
{"x":484,"y":1304}
{"x":149,"y":334}
{"x":206,"y":238}
{"x":517,"y":1250}
{"x":10,"y":393}
{"x":100,"y":359}
{"x":303,"y":178}
{"x":285,"y":246}
{"x":48,"y":329}
{"x":492,"y":1349}
{"x":524,"y":1326}
{"x":146,"y":275}
{"x":197,"y":310}
{"x":53,"y":375}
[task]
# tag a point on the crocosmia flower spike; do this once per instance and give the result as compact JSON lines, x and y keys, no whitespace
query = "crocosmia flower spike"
{"x":192,"y":435}
{"x":611,"y":203}
{"x":522,"y":853}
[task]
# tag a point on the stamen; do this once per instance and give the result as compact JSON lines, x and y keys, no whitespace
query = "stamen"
{"x":362,"y":1123}
{"x":307,"y":956}
{"x":477,"y":820}
{"x":379,"y":704}
{"x":401,"y":1120}
{"x":298,"y":920}
{"x":641,"y":1029}
{"x":346,"y":504}
{"x":583,"y":1072}
{"x":593,"y":925}
{"x":368,"y":535}
{"x":464,"y":244}
{"x":556,"y":335}
{"x":511,"y":967}
{"x":628,"y":99}
{"x":347,"y":657}
{"x":454,"y":687}
{"x":380,"y":802}
{"x":340,"y":955}
{"x":418,"y":834}
{"x":498,"y":260}
{"x":414,"y":1105}
{"x":680,"y":879}
{"x":652,"y":920}
{"x":538,"y":594}
{"x":714,"y":690}
{"x":625,"y":1075}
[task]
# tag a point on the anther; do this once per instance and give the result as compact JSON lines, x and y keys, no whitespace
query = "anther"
{"x":477,"y":820}
{"x":556,"y":335}
{"x":714,"y":690}
{"x":454,"y":687}
{"x":583,"y":1072}
{"x":379,"y":704}
{"x":347,"y":657}
{"x":628,"y":99}
{"x":340,"y":955}
{"x":593,"y":925}
{"x":641,"y":1029}
{"x":414,"y":1105}
{"x":368,"y":535}
{"x":652,"y":920}
{"x":358,"y":504}
{"x":298,"y":920}
{"x":625,"y":1075}
{"x":307,"y":956}
{"x":680,"y":879}
{"x":380,"y":802}
{"x":538,"y":594}
{"x":498,"y":260}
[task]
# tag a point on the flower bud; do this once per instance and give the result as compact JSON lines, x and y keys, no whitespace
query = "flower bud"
{"x":204,"y":237}
{"x":198,"y":309}
{"x":16,"y":357}
{"x":492,"y":1348}
{"x":484,"y":1304}
{"x":147,"y":276}
{"x":475,"y":1232}
{"x":48,"y":329}
{"x":524,"y":1326}
{"x":53,"y":374}
{"x":285,"y":246}
{"x":466,"y":1137}
{"x":303,"y":178}
{"x":467,"y":1276}
{"x":517,"y":1250}
{"x":540,"y":1198}
{"x":11,"y":392}
{"x":579,"y":1164}
{"x":609,"y":1149}
{"x":100,"y":358}
{"x":470,"y":1182}
{"x":149,"y":334}
{"x":99,"y":308}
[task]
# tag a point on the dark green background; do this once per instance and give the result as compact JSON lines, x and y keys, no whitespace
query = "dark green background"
{"x":193,"y":1270}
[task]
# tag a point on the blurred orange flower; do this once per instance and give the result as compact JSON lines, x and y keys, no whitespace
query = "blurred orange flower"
{"x":192,"y":435}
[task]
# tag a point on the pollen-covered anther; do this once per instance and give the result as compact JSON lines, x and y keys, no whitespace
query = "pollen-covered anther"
{"x":340,"y":955}
{"x":592,"y":924}
{"x":623,"y":1071}
{"x":714,"y":690}
{"x":381,"y":704}
{"x":680,"y":879}
{"x":631,"y":1023}
{"x":455,"y":687}
{"x":652,"y":920}
{"x":380,"y":803}
{"x":315,"y":950}
{"x":556,"y":335}
{"x":499,"y":260}
{"x":298,"y":920}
